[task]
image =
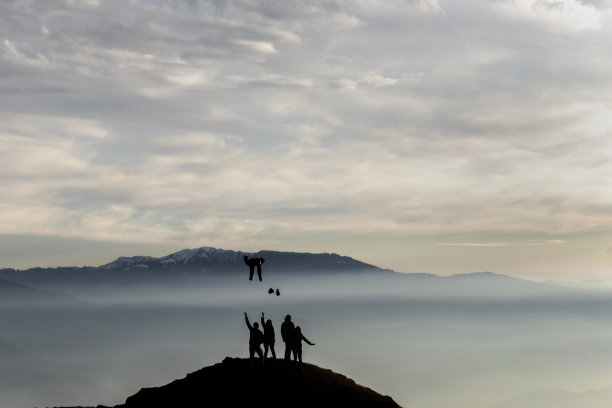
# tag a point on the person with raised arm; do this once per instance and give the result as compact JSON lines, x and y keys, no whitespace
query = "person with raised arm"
{"x":268,"y":337}
{"x":255,"y":339}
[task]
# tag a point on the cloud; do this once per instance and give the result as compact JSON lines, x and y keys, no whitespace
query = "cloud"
{"x":178,"y":121}
{"x":428,"y":5}
{"x":504,"y":243}
{"x":559,"y":15}
{"x":259,"y":46}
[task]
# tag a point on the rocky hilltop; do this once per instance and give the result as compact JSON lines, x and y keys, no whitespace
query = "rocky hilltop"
{"x":235,"y":383}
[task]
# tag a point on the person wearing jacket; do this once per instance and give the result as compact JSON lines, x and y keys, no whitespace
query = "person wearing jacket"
{"x":255,"y":339}
{"x":287,"y":329}
{"x":297,"y":344}
{"x":268,"y":337}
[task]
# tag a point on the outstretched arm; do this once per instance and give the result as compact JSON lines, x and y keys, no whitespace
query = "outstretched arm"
{"x":263,"y":323}
{"x":247,"y":321}
{"x":307,"y":341}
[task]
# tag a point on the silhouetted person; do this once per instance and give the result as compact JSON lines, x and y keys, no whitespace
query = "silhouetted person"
{"x":255,"y":339}
{"x":287,"y":329}
{"x":268,"y":337}
{"x":296,"y":346}
{"x":252,"y":263}
{"x":259,"y":263}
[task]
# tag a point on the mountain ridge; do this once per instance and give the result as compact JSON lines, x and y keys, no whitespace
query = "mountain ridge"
{"x":209,"y":262}
{"x":194,"y":262}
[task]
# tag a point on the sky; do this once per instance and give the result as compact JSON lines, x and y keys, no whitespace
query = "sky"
{"x":417,"y":135}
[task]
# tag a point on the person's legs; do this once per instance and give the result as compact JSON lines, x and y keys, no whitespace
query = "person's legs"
{"x":251,"y":271}
{"x":259,"y":272}
{"x":265,"y":350}
{"x":251,"y":355}
{"x":294,"y":352}
{"x":287,"y":351}
{"x":260,"y":354}
{"x":272,"y":352}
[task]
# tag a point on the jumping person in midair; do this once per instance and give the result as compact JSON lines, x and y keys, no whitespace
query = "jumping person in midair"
{"x":252,"y":263}
{"x":259,"y":263}
{"x":268,"y":337}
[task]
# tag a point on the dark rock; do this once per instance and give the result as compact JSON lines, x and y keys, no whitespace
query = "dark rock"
{"x":236,"y":382}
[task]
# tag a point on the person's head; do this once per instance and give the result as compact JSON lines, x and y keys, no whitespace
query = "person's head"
{"x":256,"y":325}
{"x":298,"y":329}
{"x":288,"y":318}
{"x":269,"y":322}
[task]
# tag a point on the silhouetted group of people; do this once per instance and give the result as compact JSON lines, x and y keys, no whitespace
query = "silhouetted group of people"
{"x":292,"y":337}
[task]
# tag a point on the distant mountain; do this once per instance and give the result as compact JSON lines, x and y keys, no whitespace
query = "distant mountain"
{"x":208,"y":262}
{"x":236,"y":383}
{"x":588,"y":284}
{"x":207,"y":259}
{"x":494,"y":284}
{"x":198,"y":262}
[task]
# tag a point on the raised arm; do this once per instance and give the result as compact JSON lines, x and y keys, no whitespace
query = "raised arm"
{"x":263,"y":322}
{"x":247,"y":321}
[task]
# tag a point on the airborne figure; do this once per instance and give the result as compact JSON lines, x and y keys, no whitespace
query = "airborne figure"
{"x":252,"y":263}
{"x":259,"y":263}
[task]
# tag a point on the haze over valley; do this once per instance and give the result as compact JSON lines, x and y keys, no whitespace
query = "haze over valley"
{"x":475,"y":340}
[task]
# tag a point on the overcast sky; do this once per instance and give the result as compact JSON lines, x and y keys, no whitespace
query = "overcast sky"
{"x":419,"y":135}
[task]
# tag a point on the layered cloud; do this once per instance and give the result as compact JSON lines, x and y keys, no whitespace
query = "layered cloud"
{"x":183,"y":121}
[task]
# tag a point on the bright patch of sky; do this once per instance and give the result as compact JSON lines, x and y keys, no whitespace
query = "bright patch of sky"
{"x":364,"y":127}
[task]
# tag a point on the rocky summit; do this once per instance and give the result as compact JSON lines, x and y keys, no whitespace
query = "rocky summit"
{"x":237,"y":382}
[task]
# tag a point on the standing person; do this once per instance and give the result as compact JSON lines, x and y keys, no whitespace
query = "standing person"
{"x":268,"y":337}
{"x":255,"y":339}
{"x":287,"y":329}
{"x":297,"y":344}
